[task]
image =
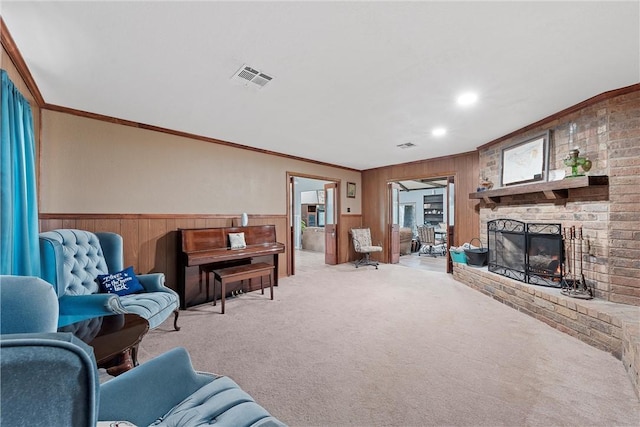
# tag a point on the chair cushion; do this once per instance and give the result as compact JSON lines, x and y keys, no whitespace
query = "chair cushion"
{"x":153,"y":306}
{"x":370,"y":249}
{"x":82,"y":260}
{"x":121,"y":283}
{"x":363,"y":236}
{"x":221,"y":402}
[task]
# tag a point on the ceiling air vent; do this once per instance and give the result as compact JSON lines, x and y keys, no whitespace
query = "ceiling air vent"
{"x":406,"y":145}
{"x":247,"y":75}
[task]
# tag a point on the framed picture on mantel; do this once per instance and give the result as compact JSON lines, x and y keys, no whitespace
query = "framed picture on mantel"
{"x":526,"y":161}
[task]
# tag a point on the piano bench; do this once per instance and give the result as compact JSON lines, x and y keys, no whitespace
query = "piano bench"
{"x":240,"y":273}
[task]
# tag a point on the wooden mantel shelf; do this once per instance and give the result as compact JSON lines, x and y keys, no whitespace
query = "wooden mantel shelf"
{"x":552,"y":190}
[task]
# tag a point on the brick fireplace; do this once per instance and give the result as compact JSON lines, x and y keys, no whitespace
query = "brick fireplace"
{"x":606,"y":129}
{"x":605,"y":206}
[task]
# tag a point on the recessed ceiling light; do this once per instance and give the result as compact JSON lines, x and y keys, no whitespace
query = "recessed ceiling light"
{"x":438,"y":131}
{"x":467,"y":98}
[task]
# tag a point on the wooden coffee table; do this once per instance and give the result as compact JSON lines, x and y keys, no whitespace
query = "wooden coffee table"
{"x":114,"y":339}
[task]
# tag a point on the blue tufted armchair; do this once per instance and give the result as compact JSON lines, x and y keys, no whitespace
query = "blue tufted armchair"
{"x":36,"y":363}
{"x":71,"y":260}
{"x":50,"y":378}
{"x":27,"y":304}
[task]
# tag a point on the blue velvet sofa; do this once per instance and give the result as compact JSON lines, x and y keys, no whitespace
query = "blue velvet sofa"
{"x":51,"y":379}
{"x":71,"y":260}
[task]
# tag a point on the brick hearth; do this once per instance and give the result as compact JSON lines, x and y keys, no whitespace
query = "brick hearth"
{"x":608,"y":326}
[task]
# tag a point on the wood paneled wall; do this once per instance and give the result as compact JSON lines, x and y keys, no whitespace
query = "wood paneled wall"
{"x":345,"y":249}
{"x":375,"y":199}
{"x":150,"y":241}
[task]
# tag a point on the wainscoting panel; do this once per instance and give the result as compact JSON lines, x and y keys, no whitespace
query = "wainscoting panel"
{"x":151,"y":241}
{"x":345,"y":251}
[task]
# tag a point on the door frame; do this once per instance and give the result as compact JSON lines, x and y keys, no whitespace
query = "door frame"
{"x":331,"y":229}
{"x":290,"y":186}
{"x":393,"y":229}
{"x":451,"y":179}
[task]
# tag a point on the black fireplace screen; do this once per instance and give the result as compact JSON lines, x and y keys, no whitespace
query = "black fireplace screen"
{"x":528,"y":252}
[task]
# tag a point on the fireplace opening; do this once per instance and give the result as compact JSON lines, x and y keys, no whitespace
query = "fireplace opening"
{"x":528,"y":252}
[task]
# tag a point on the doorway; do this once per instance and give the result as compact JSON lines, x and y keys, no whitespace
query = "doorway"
{"x":313,"y":216}
{"x":426,"y":202}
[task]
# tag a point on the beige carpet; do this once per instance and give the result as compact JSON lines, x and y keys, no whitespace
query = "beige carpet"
{"x":399,"y":347}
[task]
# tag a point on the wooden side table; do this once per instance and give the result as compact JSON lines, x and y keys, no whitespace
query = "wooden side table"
{"x":114,"y":339}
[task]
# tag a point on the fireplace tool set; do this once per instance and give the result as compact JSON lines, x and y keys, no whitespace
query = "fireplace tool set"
{"x":573,"y":282}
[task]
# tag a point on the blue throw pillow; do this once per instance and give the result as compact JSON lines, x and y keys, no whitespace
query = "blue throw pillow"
{"x":121,"y":283}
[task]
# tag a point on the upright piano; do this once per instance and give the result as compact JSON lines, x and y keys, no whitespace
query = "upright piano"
{"x":210,"y":247}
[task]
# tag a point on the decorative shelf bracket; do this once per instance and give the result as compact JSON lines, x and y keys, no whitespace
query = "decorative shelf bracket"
{"x":491,"y":200}
{"x":556,"y":194}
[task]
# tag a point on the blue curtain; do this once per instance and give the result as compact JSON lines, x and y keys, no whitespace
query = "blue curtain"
{"x":19,"y":246}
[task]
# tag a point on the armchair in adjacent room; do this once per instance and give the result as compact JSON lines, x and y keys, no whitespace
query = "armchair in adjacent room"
{"x":428,"y":243}
{"x":72,"y":260}
{"x":361,"y":238}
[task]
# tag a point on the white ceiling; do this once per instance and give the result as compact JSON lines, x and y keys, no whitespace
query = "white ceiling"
{"x":352,"y":80}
